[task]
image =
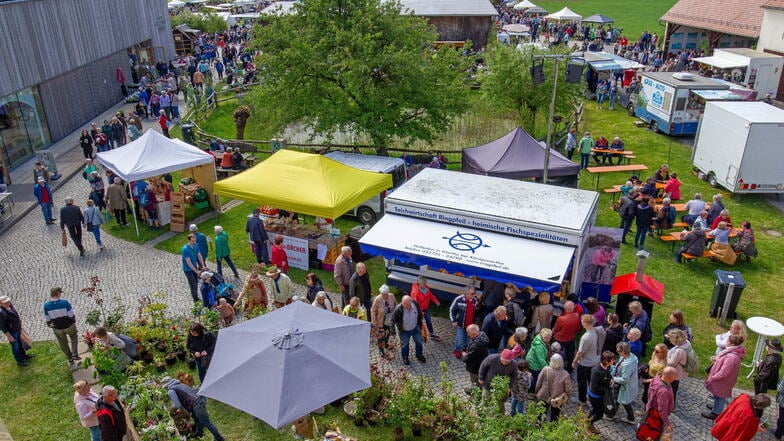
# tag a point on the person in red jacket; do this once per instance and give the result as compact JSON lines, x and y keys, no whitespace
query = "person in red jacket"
{"x":163,"y":121}
{"x":739,"y":422}
{"x":565,"y":330}
{"x":423,"y":295}
{"x":279,"y":257}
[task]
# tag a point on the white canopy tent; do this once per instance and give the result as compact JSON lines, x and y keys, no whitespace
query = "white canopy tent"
{"x":176,"y":4}
{"x":525,"y":4}
{"x":565,"y":14}
{"x":152,"y":155}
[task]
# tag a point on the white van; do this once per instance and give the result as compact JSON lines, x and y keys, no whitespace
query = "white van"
{"x":369,"y":211}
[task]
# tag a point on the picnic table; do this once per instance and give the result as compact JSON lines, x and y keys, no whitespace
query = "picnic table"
{"x":614,"y":168}
{"x":620,"y":154}
{"x":676,"y":236}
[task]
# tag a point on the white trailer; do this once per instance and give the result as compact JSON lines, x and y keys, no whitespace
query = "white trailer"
{"x":738,"y":146}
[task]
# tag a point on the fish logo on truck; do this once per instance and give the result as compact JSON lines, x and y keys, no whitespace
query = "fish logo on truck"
{"x":466,"y":242}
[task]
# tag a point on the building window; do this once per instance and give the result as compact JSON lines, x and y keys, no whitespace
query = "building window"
{"x":23,"y":128}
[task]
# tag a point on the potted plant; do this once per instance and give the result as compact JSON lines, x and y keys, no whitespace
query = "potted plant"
{"x":171,"y":358}
{"x":159,"y":362}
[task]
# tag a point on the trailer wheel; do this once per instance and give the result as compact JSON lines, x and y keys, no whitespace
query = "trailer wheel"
{"x":712,"y":181}
{"x":654,"y":126}
{"x":366,"y":215}
{"x":630,"y":109}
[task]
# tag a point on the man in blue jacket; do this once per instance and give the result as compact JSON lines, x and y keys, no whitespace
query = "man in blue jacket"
{"x":44,"y":196}
{"x":258,"y":235}
{"x":61,"y":318}
{"x":497,"y":327}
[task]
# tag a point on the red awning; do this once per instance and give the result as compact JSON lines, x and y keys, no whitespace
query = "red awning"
{"x":649,"y":288}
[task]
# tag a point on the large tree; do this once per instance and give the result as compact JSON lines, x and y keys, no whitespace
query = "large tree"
{"x":507,"y":82}
{"x":357,"y":65}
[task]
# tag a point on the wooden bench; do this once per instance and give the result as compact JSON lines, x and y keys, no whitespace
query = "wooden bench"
{"x":613,"y":191}
{"x":689,"y":257}
{"x":680,"y":225}
{"x":225,"y":172}
{"x":671,"y":239}
{"x":629,"y":158}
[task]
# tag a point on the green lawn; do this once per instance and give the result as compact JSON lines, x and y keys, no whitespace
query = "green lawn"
{"x":634,"y":16}
{"x":689,"y":286}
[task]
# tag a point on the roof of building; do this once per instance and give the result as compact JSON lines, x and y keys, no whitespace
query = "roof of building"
{"x":774,"y":4}
{"x":726,"y":16}
{"x":431,"y":8}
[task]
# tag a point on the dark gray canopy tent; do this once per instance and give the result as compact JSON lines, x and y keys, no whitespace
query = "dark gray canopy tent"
{"x":598,"y":18}
{"x":517,"y":155}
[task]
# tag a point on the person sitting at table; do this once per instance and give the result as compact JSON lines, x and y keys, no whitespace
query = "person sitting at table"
{"x":693,"y":243}
{"x":724,"y":216}
{"x":649,"y":189}
{"x":721,"y":244}
{"x":288,"y":216}
{"x":618,"y":146}
{"x":237,"y":160}
{"x":635,"y":180}
{"x":665,"y":217}
{"x":746,"y":243}
{"x":601,"y":143}
{"x":662,"y":174}
{"x":694,"y":208}
{"x":672,"y":189}
{"x":701,"y":223}
{"x":715,"y":209}
{"x":626,"y":188}
{"x":226,"y":159}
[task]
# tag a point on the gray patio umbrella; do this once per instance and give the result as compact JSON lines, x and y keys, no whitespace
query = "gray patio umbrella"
{"x":598,"y":18}
{"x":285,"y":364}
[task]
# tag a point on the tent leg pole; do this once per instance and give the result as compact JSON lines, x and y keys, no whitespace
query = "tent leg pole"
{"x":133,"y":207}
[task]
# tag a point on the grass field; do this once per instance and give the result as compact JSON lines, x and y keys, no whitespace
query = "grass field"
{"x":634,"y":16}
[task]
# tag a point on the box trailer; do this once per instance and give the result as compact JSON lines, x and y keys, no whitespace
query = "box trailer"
{"x":455,"y":228}
{"x":665,"y":101}
{"x":738,"y":145}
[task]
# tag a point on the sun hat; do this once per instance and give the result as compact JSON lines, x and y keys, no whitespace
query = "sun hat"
{"x":205,"y":275}
{"x":273,"y":271}
{"x":5,"y":299}
{"x":773,"y":343}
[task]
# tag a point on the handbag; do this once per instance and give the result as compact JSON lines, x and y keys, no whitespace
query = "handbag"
{"x":89,"y":226}
{"x":27,"y":342}
{"x":559,"y":400}
{"x":64,"y":239}
{"x":651,"y":427}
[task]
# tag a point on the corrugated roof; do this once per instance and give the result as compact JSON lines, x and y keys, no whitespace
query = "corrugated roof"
{"x":726,"y":16}
{"x":431,"y":8}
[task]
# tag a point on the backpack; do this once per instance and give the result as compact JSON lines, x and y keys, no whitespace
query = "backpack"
{"x":692,"y":361}
{"x":519,"y":314}
{"x":652,"y":427}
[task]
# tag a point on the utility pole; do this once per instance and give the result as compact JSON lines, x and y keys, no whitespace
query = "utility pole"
{"x":570,"y":79}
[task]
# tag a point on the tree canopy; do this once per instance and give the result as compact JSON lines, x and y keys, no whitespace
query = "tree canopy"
{"x":357,"y":65}
{"x":507,"y":82}
{"x":205,"y":22}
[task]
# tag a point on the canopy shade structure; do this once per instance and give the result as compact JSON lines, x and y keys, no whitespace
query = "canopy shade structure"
{"x":603,"y":61}
{"x":515,"y":155}
{"x":565,"y":14}
{"x":176,"y":4}
{"x":484,"y":254}
{"x":301,"y":357}
{"x":305,"y":183}
{"x":279,"y":9}
{"x":525,"y":4}
{"x":720,"y":63}
{"x":152,"y":155}
{"x":598,"y":18}
{"x":536,"y":10}
{"x":517,"y":29}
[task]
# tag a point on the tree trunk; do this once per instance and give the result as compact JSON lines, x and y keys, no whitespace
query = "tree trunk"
{"x":240,"y":123}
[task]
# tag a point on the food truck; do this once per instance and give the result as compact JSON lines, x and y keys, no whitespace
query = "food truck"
{"x":663,"y":101}
{"x":459,"y":229}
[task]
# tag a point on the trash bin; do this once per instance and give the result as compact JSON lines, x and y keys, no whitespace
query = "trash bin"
{"x":723,"y":281}
{"x":187,"y":133}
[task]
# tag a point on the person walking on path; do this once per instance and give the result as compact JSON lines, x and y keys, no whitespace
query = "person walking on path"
{"x":767,"y":376}
{"x":741,"y":420}
{"x":258,"y":235}
{"x":111,"y":415}
{"x":92,"y":222}
{"x":423,"y":295}
{"x":661,"y":396}
{"x":86,"y":142}
{"x":408,"y":321}
{"x":11,"y":326}
{"x":85,"y":401}
{"x":192,"y":264}
{"x":587,"y":356}
{"x":381,"y":317}
{"x":598,"y":387}
{"x":344,"y":268}
{"x":625,"y":374}
{"x":279,"y":257}
{"x":201,"y":241}
{"x":71,"y":217}
{"x":117,"y":201}
{"x":724,"y":374}
{"x":282,"y":287}
{"x":586,"y":144}
{"x":463,"y":313}
{"x":45,"y":199}
{"x":187,"y":398}
{"x":222,"y":251}
{"x":59,"y":315}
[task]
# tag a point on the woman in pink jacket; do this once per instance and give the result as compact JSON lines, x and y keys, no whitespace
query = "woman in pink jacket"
{"x":724,"y":374}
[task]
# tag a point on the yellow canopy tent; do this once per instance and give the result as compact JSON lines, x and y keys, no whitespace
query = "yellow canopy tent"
{"x":304,"y":183}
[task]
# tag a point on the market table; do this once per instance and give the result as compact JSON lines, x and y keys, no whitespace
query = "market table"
{"x":765,"y":328}
{"x":300,"y":239}
{"x":614,"y":168}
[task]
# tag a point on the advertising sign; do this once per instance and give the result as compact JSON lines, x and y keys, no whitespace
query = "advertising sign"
{"x":599,"y":262}
{"x":297,"y":252}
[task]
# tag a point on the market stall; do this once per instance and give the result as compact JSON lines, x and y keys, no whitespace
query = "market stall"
{"x":154,"y":155}
{"x":308,"y":184}
{"x":470,"y":227}
{"x":756,"y":70}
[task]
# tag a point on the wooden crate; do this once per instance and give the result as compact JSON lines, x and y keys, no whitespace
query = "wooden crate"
{"x":177,"y":212}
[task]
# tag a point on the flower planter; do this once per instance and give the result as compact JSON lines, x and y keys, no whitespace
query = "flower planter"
{"x":161,"y":367}
{"x":182,"y":356}
{"x":171,"y":358}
